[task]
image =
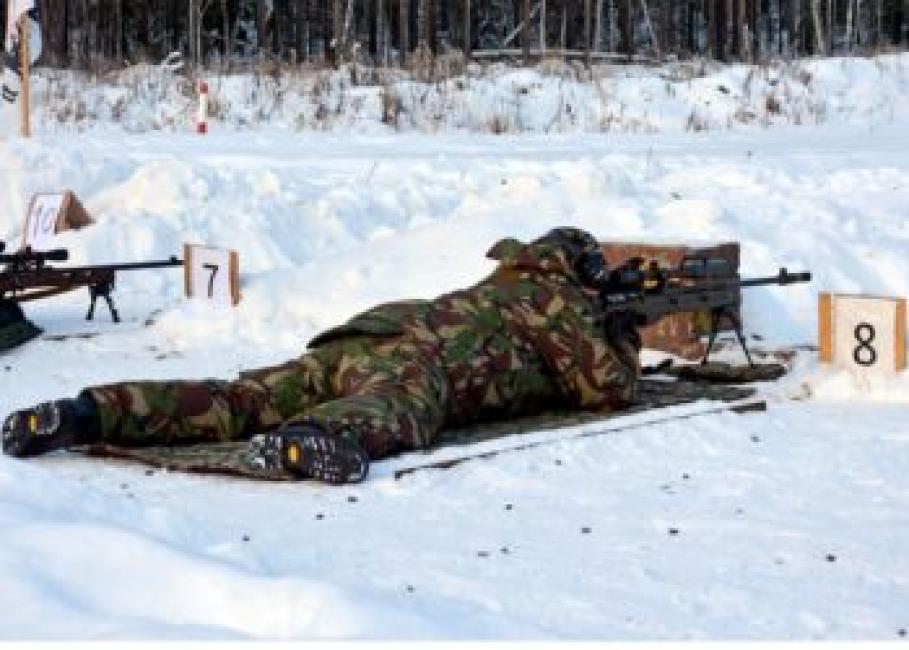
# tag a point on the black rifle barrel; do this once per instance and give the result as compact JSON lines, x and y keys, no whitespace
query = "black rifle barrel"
{"x":129,"y":266}
{"x":783,"y":277}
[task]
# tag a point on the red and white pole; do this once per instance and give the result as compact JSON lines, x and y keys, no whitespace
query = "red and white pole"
{"x":202,"y":121}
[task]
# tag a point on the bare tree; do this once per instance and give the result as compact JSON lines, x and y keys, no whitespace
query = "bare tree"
{"x":587,"y":27}
{"x":468,"y":29}
{"x":819,"y":41}
{"x":849,"y":24}
{"x":627,"y":27}
{"x":404,"y":31}
{"x":744,"y":31}
{"x":525,"y":30}
{"x":85,"y":33}
{"x":598,"y":26}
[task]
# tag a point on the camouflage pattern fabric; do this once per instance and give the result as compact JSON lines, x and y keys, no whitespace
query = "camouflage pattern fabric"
{"x":522,"y":340}
{"x":229,"y":458}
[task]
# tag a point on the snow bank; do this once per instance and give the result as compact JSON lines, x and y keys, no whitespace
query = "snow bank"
{"x":326,"y":227}
{"x":551,"y":98}
{"x":847,"y":385}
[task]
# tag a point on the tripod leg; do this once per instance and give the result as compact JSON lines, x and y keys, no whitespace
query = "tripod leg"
{"x":91,"y":307}
{"x":113,"y":310}
{"x":714,"y":331}
{"x":737,"y":322}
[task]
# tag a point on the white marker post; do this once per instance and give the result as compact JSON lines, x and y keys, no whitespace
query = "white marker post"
{"x":41,"y":221}
{"x":212,"y":275}
{"x":202,"y":121}
{"x":863,"y":333}
{"x":50,"y":213}
{"x":25,"y":126}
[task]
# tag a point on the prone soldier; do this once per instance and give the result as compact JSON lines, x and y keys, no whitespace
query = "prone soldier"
{"x":525,"y":338}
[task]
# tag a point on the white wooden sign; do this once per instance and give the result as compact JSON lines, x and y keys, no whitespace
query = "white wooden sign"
{"x":50,"y":213}
{"x":212,"y":274}
{"x":865,"y":333}
{"x":41,"y":221}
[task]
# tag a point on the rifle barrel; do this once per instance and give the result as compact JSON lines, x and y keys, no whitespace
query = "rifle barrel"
{"x":131,"y":266}
{"x":783,"y":277}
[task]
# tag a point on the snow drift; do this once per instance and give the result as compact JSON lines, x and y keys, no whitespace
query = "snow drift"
{"x":552,"y":98}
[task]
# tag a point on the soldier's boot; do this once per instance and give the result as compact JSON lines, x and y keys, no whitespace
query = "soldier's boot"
{"x":308,"y":452}
{"x":50,"y":426}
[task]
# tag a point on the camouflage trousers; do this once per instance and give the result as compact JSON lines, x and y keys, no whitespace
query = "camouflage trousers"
{"x":391,"y":392}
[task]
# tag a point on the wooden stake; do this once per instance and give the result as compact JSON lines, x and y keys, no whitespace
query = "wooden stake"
{"x":900,"y":343}
{"x":24,"y":94}
{"x":825,"y":327}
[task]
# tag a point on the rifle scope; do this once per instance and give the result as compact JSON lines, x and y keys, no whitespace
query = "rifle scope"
{"x":28,"y":255}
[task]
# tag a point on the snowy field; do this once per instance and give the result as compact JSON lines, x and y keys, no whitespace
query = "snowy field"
{"x":791,"y":524}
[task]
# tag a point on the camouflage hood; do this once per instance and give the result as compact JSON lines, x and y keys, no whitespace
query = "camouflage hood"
{"x":558,"y":251}
{"x":543,"y":255}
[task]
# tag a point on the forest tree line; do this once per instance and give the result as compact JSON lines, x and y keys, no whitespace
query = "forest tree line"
{"x":94,"y":34}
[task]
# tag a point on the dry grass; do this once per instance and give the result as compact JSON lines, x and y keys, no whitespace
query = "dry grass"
{"x":392,"y":106}
{"x":696,"y":122}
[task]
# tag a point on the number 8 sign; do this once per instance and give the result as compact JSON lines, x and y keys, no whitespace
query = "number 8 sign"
{"x":212,"y":274}
{"x":863,"y":332}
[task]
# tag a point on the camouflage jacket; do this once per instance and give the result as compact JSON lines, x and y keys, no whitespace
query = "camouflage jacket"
{"x":523,"y":339}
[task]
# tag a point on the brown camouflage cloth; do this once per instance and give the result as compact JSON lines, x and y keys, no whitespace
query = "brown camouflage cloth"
{"x":521,"y":341}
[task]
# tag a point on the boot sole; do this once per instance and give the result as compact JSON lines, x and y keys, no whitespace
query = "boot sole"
{"x":32,"y":432}
{"x":308,"y":454}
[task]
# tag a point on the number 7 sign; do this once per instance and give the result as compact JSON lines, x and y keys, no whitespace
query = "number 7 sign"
{"x":863,"y":332}
{"x":211,"y":274}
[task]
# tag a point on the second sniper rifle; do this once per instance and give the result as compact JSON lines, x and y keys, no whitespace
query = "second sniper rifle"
{"x":638,"y":294}
{"x":26,"y":276}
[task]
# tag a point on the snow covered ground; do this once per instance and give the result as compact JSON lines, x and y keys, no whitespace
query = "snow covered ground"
{"x":787,"y":525}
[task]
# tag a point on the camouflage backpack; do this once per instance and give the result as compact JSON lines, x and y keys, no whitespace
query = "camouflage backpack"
{"x":15,"y":328}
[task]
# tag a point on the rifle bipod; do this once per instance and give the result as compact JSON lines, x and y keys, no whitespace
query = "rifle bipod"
{"x":716,"y":316}
{"x":102,"y":290}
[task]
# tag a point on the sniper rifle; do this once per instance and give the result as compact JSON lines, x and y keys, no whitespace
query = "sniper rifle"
{"x":638,"y":294}
{"x":26,"y":276}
